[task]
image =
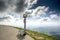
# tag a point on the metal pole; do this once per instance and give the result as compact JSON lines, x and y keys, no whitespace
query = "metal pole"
{"x":24,"y":16}
{"x":24,"y":25}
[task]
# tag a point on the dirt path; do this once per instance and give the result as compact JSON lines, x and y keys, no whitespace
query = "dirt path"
{"x":10,"y":33}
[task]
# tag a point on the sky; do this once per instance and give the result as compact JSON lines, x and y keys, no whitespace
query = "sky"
{"x":40,"y":13}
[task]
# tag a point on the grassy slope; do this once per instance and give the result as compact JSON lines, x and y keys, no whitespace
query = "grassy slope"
{"x":39,"y":36}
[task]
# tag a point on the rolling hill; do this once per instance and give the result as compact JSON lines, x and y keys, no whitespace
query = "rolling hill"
{"x":39,"y":36}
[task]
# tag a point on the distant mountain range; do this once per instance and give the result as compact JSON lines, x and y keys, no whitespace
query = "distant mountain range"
{"x":53,"y":31}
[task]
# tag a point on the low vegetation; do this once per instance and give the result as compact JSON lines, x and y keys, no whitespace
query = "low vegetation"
{"x":39,"y":36}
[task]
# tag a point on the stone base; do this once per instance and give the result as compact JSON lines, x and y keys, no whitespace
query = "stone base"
{"x":22,"y":33}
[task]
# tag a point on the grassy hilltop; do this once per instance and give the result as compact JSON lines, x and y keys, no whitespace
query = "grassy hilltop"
{"x":39,"y":36}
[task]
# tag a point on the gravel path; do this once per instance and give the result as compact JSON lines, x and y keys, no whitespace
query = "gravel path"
{"x":10,"y":33}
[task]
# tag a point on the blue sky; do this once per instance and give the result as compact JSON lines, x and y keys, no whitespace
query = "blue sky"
{"x":54,"y":5}
{"x":41,"y":13}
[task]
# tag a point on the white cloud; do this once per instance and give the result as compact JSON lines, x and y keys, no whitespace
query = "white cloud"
{"x":3,"y":14}
{"x":33,"y":13}
{"x":43,"y":22}
{"x":13,"y":5}
{"x":38,"y":12}
{"x":54,"y":16}
{"x":30,"y":3}
{"x":45,"y":19}
{"x":12,"y":21}
{"x":34,"y":24}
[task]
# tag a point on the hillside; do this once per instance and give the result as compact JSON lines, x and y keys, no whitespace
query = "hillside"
{"x":39,"y":36}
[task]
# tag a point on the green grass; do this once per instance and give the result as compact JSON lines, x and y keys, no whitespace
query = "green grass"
{"x":39,"y":36}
